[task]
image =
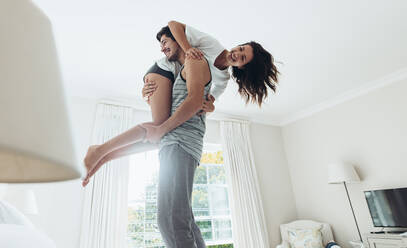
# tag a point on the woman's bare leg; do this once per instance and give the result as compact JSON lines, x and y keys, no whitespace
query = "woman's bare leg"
{"x":160,"y":103}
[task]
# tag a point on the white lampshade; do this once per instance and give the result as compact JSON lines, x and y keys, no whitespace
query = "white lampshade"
{"x":341,"y":172}
{"x":35,"y":136}
{"x":23,"y":199}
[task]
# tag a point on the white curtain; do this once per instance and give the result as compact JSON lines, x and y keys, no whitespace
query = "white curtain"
{"x":104,"y":218}
{"x":248,"y":222}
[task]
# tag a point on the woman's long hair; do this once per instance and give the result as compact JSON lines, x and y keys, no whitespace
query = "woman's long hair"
{"x":254,"y":78}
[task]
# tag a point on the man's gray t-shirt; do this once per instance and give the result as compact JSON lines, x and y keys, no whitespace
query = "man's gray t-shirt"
{"x":189,"y":135}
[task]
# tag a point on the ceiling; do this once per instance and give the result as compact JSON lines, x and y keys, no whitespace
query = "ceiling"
{"x":328,"y":50}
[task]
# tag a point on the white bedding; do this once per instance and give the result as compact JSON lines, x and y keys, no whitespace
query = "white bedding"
{"x":10,"y":215}
{"x":18,"y":236}
{"x":17,"y":231}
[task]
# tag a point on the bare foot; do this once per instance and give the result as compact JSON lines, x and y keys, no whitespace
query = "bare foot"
{"x":92,"y":171}
{"x":92,"y":157}
{"x":85,"y":182}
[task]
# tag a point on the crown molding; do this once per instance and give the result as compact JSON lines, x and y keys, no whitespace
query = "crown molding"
{"x":347,"y":96}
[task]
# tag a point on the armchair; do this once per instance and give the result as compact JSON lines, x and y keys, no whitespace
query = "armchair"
{"x":326,"y":231}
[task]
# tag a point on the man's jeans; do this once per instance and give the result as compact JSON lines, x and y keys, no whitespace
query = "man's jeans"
{"x":175,"y":218}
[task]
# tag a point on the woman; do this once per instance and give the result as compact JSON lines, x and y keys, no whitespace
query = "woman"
{"x":252,"y":68}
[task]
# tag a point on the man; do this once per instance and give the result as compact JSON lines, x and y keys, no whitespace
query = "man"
{"x":181,"y":147}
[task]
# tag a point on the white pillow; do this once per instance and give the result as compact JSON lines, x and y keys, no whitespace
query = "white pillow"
{"x":18,"y":236}
{"x":10,"y":215}
{"x":305,"y":238}
{"x":285,"y":244}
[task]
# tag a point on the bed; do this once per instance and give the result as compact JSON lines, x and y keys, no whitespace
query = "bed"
{"x":17,"y":231}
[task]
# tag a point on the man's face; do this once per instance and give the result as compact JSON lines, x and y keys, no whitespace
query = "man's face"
{"x":241,"y":55}
{"x":170,"y":48}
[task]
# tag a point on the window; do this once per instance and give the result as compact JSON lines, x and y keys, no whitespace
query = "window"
{"x":210,"y":200}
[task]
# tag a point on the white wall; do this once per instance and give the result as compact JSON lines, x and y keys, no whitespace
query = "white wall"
{"x":369,"y":132}
{"x":274,"y":178}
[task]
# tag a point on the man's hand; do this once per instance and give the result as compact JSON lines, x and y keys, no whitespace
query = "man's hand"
{"x":194,"y":53}
{"x":153,"y":133}
{"x":148,"y":90}
{"x":208,"y":105}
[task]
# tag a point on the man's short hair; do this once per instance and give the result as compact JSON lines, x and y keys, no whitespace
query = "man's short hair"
{"x":165,"y":31}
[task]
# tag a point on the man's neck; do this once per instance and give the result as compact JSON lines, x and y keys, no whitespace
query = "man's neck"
{"x":181,"y":57}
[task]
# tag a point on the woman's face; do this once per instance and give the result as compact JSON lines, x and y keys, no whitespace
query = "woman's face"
{"x":240,"y":55}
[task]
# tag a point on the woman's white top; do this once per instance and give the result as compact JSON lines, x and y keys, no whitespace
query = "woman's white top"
{"x":211,"y":48}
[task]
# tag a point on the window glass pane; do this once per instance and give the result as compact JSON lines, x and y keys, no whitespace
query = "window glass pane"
{"x":151,"y":226}
{"x":151,"y":193}
{"x":217,"y":174}
{"x":135,"y":226}
{"x":212,"y":157}
{"x":219,"y":200}
{"x":135,"y":214}
{"x":200,"y":175}
{"x":210,"y":203}
{"x":151,"y":211}
{"x":135,"y":240}
{"x":200,"y":203}
{"x":153,"y":240}
{"x":206,"y":229}
{"x":223,"y":229}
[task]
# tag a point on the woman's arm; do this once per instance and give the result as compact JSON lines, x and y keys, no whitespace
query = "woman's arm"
{"x":205,"y":43}
{"x":178,"y":31}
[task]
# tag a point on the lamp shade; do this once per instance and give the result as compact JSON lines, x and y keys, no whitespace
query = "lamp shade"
{"x":35,"y":137}
{"x":341,"y":172}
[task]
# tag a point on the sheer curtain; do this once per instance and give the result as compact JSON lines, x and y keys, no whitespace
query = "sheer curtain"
{"x":248,"y":222}
{"x":104,"y":215}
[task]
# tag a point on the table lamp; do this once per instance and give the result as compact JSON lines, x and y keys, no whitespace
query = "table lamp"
{"x":341,"y":173}
{"x":35,"y":137}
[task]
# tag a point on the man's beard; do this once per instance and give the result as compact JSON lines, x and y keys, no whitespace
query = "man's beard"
{"x":174,"y":57}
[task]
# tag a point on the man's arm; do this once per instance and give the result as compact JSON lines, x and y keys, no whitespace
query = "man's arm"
{"x":197,"y":76}
{"x":150,"y":87}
